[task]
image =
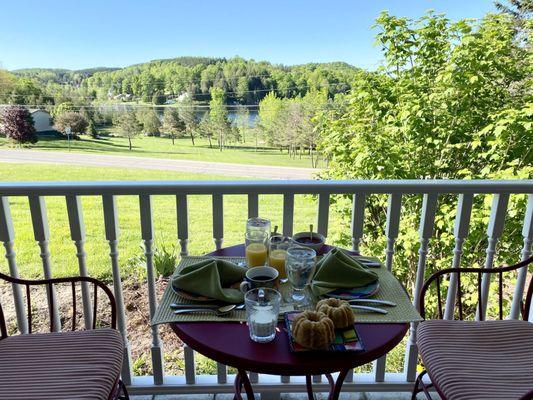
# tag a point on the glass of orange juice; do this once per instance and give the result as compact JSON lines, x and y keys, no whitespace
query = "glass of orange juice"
{"x":277,"y":253}
{"x":256,"y":248}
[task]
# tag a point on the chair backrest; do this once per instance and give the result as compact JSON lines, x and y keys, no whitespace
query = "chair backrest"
{"x":480,"y":272}
{"x":49,"y":285}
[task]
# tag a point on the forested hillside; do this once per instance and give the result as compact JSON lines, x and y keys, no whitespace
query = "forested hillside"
{"x":243,"y":81}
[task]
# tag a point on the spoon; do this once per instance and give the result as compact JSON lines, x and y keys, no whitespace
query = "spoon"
{"x":219,"y":312}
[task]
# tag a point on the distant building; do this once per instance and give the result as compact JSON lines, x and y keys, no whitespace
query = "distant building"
{"x":42,"y":121}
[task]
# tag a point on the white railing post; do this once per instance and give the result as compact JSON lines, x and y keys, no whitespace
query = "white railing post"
{"x":462,"y":225}
{"x":494,"y":231}
{"x":77,"y":234}
{"x":7,"y":237}
{"x":527,"y":234}
{"x":218,"y":220}
{"x":323,"y":214}
{"x":112,"y":233}
{"x":358,"y":219}
{"x":147,"y":233}
{"x":392,"y":229}
{"x":253,"y":206}
{"x":288,"y":214}
{"x":190,"y":368}
{"x":42,"y":236}
{"x":427,"y":222}
{"x":183,"y":223}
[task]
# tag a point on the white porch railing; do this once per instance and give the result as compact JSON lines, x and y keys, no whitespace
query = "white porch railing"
{"x":222,"y":382}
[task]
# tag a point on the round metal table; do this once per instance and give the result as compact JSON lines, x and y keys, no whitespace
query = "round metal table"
{"x":229,"y":343}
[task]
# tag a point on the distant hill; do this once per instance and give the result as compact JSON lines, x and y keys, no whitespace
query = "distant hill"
{"x":159,"y":81}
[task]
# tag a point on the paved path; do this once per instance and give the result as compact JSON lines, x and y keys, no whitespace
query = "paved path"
{"x":160,"y":164}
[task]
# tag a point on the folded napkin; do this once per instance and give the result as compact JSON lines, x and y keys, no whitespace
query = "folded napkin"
{"x":339,"y":270}
{"x":211,"y":278}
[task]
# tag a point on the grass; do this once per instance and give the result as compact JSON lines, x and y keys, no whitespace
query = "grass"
{"x":161,"y":147}
{"x":62,"y":249}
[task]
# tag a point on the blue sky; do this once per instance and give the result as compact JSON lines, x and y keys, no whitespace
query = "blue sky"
{"x":81,"y":34}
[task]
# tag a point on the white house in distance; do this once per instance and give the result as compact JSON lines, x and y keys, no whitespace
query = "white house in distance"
{"x":42,"y":120}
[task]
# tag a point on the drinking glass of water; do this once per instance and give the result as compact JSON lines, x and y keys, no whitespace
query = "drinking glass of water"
{"x":300,"y":266}
{"x":262,"y":309}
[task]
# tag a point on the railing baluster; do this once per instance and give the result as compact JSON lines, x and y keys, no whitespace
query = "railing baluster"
{"x":427,"y":222}
{"x":147,"y":233}
{"x":527,"y":234}
{"x":190,"y":369}
{"x":358,"y":219}
{"x":218,"y":220}
{"x":42,"y":235}
{"x":7,"y":237}
{"x":77,"y":234}
{"x":222,"y":373}
{"x":462,"y":225}
{"x":494,"y":231}
{"x":392,"y":228}
{"x":112,"y":233}
{"x":288,"y":214}
{"x":254,"y":377}
{"x":323,"y":214}
{"x":183,"y":223}
{"x":253,"y":205}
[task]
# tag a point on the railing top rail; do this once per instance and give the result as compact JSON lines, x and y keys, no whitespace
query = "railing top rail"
{"x":263,"y":187}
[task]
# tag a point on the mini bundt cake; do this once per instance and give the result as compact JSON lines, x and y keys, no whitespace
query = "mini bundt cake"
{"x":313,"y":330}
{"x":339,"y":311}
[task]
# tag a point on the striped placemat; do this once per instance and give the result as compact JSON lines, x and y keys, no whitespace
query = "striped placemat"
{"x":390,"y":289}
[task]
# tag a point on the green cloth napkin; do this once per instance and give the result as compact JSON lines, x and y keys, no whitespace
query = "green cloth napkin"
{"x":338,"y":270}
{"x":211,"y":278}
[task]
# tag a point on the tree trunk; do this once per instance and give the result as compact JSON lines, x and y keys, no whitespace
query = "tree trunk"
{"x":210,"y":144}
{"x":129,"y":140}
{"x":172,"y":140}
{"x":192,"y":138}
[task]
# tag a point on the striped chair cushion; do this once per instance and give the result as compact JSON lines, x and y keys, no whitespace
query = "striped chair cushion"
{"x":68,"y":365}
{"x":478,"y":360}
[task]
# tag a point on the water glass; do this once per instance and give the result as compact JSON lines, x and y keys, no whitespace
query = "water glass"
{"x":300,"y":265}
{"x":262,"y":310}
{"x":258,"y":224}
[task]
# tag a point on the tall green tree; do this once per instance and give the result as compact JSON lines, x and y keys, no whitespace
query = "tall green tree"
{"x":218,"y":116}
{"x":187,"y":114}
{"x":172,"y":123}
{"x":129,"y":125}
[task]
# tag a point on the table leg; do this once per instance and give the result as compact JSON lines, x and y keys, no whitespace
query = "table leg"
{"x":240,"y":380}
{"x":334,"y":386}
{"x":309,"y":387}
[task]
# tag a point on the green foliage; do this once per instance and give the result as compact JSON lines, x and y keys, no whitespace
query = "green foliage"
{"x":451,"y":101}
{"x":61,"y":108}
{"x":165,"y":260}
{"x":149,"y":120}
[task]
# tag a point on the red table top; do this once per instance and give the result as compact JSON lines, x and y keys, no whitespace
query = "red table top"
{"x":229,"y":343}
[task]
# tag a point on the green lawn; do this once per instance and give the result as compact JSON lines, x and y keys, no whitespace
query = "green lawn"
{"x":161,"y":147}
{"x":164,"y":207}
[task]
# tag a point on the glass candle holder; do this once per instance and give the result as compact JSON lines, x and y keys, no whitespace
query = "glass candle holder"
{"x":262,"y":310}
